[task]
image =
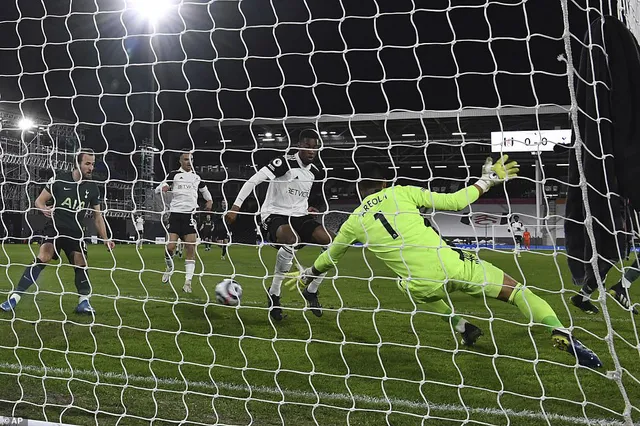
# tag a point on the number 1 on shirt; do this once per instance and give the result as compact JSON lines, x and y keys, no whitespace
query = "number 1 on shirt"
{"x":379,"y":216}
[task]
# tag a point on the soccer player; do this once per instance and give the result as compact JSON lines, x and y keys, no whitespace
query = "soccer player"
{"x":184,"y":184}
{"x":388,"y":223}
{"x":139,"y":224}
{"x":527,"y":240}
{"x":220,"y":234}
{"x":206,"y":231}
{"x":285,"y":211}
{"x":517,"y":228}
{"x":65,"y":200}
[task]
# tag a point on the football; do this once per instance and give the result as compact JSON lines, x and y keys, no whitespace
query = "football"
{"x":229,"y":292}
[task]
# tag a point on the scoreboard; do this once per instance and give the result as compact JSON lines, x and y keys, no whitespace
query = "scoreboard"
{"x":529,"y":141}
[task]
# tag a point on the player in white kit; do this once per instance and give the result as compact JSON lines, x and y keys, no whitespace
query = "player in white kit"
{"x":517,"y":228}
{"x":286,"y":221}
{"x":139,"y":224}
{"x":185,"y":184}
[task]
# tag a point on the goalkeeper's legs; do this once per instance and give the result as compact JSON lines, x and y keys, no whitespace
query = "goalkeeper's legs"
{"x":481,"y":278}
{"x":537,"y":309}
{"x":30,"y":276}
{"x":468,"y":332}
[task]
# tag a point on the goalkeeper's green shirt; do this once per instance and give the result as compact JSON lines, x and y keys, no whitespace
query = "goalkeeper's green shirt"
{"x":389,"y":224}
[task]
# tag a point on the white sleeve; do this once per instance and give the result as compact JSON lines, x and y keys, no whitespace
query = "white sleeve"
{"x":159,"y":187}
{"x":246,"y":190}
{"x":205,"y":193}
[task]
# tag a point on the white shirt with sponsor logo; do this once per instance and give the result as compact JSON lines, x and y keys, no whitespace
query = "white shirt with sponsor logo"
{"x":139,"y":224}
{"x":290,"y":182}
{"x":517,"y":228}
{"x":184,"y":189}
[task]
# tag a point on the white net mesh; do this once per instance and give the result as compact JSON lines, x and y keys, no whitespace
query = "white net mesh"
{"x":418,"y":86}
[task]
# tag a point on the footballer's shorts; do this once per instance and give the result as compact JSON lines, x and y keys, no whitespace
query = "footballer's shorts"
{"x":469,"y":275}
{"x":182,"y":224}
{"x":63,"y":243}
{"x":518,"y":239}
{"x":304,"y":226}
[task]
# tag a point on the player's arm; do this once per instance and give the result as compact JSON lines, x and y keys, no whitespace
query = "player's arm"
{"x":42,"y":200}
{"x":276,"y":168}
{"x":101,"y":227}
{"x":167,"y":184}
{"x":202,"y":187}
{"x":337,"y":249}
{"x":422,"y":197}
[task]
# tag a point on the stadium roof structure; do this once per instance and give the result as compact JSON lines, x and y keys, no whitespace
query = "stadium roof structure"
{"x":408,"y":136}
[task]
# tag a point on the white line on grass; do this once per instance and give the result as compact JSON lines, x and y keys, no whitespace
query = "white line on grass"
{"x":57,"y":372}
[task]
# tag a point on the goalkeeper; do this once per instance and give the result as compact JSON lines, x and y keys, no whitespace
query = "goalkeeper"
{"x":389,"y":224}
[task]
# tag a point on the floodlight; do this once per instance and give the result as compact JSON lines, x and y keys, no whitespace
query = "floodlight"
{"x":25,"y":124}
{"x":151,"y":10}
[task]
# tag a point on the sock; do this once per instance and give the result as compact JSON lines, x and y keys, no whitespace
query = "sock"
{"x":313,"y":285}
{"x":441,"y":307}
{"x":189,"y":267}
{"x":224,"y":249}
{"x":30,"y":276}
{"x":630,"y":276}
{"x":284,"y":260}
{"x":533,"y":306}
{"x":16,"y":297}
{"x":459,"y":323}
{"x":168,"y":260}
{"x":82,"y":299}
{"x":586,"y":292}
{"x":82,"y":283}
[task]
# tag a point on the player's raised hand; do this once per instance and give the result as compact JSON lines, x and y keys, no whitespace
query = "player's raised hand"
{"x":495,"y":173}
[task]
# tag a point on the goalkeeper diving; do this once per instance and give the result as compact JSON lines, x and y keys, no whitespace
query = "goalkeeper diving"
{"x":389,"y":224}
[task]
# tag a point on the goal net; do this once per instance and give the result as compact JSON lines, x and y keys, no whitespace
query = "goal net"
{"x":428,"y":89}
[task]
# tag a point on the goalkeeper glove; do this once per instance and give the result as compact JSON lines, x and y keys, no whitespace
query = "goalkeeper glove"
{"x":494,"y":173}
{"x":301,"y":278}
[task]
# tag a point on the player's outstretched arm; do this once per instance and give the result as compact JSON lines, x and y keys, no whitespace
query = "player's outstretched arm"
{"x":206,"y":195}
{"x":245,"y":191}
{"x":492,"y":174}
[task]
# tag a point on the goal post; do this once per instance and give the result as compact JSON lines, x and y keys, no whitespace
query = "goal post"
{"x":428,"y":89}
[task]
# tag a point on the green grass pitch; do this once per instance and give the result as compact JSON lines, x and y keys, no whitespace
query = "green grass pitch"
{"x":155,"y":353}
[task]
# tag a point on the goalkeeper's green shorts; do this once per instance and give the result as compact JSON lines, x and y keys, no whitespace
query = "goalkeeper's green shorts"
{"x":471,"y":275}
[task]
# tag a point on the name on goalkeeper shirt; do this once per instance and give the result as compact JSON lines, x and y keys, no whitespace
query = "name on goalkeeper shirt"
{"x":298,"y":192}
{"x":373,"y":202}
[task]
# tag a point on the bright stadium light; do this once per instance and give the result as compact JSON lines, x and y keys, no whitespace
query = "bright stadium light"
{"x":25,"y":124}
{"x":268,"y":134}
{"x":151,"y":10}
{"x":406,"y":135}
{"x":324,"y":132}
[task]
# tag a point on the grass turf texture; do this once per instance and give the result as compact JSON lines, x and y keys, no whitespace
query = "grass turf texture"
{"x":153,"y":352}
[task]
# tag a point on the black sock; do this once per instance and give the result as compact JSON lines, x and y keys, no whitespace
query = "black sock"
{"x":30,"y":276}
{"x":82,"y":282}
{"x":224,"y":249}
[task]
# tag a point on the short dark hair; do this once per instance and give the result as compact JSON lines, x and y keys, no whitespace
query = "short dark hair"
{"x":308,"y":134}
{"x":372,"y":174}
{"x":82,"y":153}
